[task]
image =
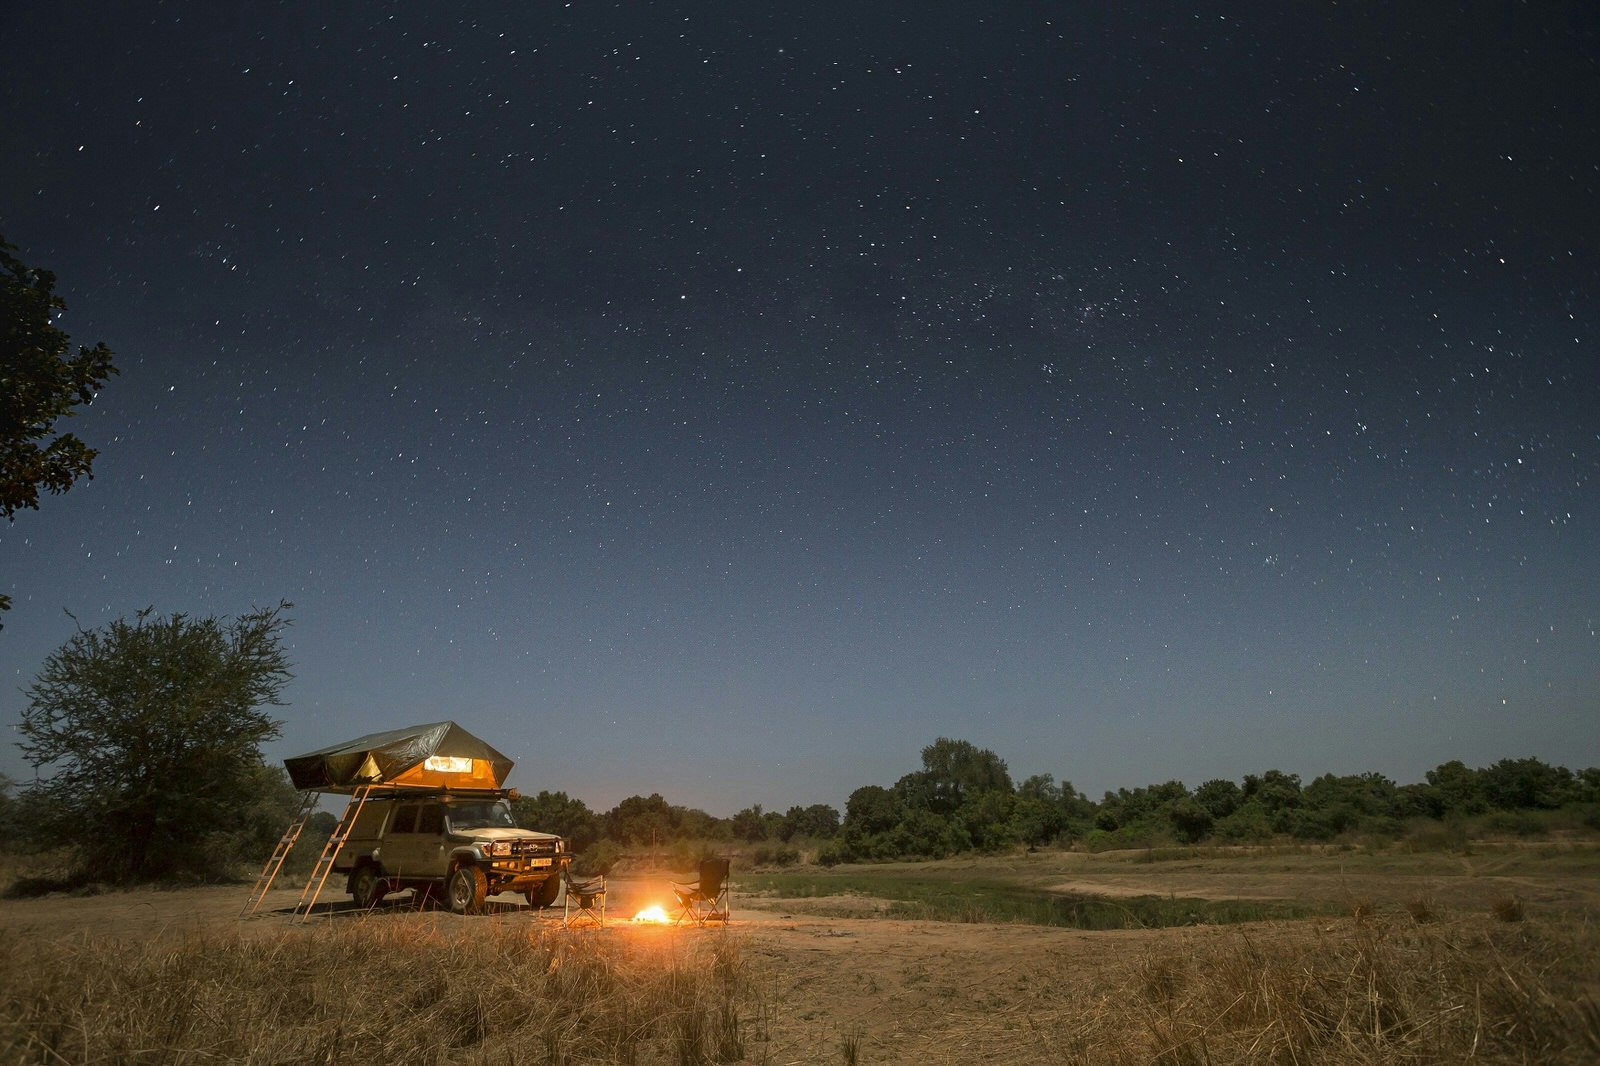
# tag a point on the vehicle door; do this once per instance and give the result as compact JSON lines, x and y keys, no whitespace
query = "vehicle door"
{"x":432,"y":847}
{"x":400,"y":843}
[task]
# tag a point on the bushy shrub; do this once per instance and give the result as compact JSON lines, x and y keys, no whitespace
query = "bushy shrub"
{"x":1307,"y":824}
{"x":685,"y":855}
{"x":778,"y":855}
{"x":1383,"y":829}
{"x":988,"y":820}
{"x":1138,"y":835}
{"x":1248,"y":824}
{"x":924,"y":835}
{"x":1425,"y":834}
{"x":1513,"y":823}
{"x":1097,"y":840}
{"x":832,"y":853}
{"x":597,"y":858}
{"x":1191,"y":822}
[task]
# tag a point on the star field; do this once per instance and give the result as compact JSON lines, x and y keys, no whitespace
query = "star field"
{"x":727,"y":402}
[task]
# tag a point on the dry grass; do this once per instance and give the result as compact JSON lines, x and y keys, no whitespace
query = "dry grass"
{"x":1383,"y":987}
{"x":392,"y":990}
{"x":1423,"y":909}
{"x":1506,"y":908}
{"x":1364,"y":991}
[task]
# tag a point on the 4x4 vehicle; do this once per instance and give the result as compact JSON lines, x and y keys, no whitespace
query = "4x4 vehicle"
{"x":459,"y":844}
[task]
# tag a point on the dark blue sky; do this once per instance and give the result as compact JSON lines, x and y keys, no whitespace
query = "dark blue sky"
{"x":726,"y":401}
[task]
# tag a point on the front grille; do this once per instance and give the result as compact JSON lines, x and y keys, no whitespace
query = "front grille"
{"x":527,"y":849}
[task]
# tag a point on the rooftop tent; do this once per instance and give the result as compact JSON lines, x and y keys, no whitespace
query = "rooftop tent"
{"x":440,"y":754}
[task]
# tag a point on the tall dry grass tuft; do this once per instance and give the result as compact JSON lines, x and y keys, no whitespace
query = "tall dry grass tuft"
{"x":1161,"y":976}
{"x":1506,"y":908}
{"x":1422,"y":909}
{"x":395,"y":989}
{"x":1364,"y":991}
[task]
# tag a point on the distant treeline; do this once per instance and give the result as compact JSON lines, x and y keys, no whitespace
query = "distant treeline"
{"x":963,"y":799}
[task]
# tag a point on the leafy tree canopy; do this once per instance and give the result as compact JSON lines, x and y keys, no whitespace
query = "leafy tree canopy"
{"x":150,"y":731}
{"x":872,"y":809}
{"x":818,"y":820}
{"x":644,"y":820}
{"x":750,"y":824}
{"x":957,"y":769}
{"x":39,"y":384}
{"x":556,"y":812}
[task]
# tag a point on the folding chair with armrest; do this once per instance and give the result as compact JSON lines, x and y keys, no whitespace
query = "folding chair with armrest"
{"x":584,"y":900}
{"x":705,"y":900}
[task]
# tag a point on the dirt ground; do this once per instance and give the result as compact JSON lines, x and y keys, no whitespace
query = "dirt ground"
{"x":891,"y":990}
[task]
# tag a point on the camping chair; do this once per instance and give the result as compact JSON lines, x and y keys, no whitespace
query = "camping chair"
{"x":584,"y":900}
{"x":707,"y":899}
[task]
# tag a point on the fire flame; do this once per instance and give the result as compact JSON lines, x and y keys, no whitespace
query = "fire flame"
{"x":652,"y":914}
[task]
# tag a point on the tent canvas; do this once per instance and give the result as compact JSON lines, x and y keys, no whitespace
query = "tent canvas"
{"x":436,"y":755}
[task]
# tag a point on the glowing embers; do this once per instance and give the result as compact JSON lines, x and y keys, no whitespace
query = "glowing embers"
{"x":652,"y":916}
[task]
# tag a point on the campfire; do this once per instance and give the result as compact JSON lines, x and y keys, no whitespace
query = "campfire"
{"x":652,"y":916}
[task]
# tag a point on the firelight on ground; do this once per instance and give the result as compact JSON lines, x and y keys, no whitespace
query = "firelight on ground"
{"x":652,"y":914}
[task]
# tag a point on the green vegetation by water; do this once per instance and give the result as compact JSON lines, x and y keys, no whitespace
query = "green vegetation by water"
{"x":980,"y":901}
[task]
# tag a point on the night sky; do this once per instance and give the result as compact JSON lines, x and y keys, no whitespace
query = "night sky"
{"x":727,"y":400}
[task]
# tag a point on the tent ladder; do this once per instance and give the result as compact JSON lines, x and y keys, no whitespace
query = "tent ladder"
{"x":330,"y":852}
{"x":269,"y":872}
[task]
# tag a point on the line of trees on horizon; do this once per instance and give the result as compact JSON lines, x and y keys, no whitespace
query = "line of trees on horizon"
{"x":964,"y":800}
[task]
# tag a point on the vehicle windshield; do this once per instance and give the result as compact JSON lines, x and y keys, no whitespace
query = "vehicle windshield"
{"x":463,"y":815}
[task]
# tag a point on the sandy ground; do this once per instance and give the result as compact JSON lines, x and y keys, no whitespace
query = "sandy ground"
{"x":899,"y":991}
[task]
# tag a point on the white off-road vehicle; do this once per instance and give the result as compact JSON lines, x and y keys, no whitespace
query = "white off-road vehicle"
{"x":456,"y":844}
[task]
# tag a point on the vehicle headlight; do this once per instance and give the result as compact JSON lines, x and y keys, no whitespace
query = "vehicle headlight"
{"x":499,"y":847}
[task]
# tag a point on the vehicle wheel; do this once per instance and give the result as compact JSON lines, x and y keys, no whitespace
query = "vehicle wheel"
{"x":367,"y":887}
{"x":544,"y":893}
{"x":467,"y":890}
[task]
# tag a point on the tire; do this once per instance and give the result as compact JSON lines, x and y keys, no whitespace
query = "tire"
{"x":543,"y":894}
{"x":466,"y":890}
{"x":367,"y":887}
